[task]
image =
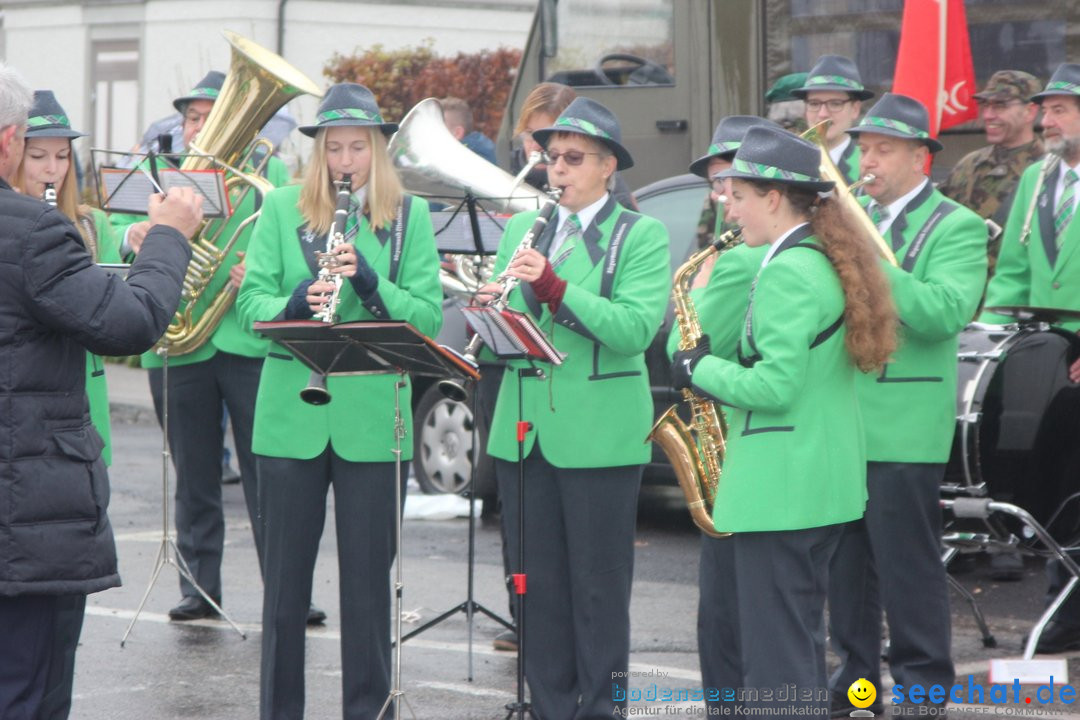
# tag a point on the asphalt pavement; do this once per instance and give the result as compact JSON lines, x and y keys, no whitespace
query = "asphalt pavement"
{"x":205,"y":669}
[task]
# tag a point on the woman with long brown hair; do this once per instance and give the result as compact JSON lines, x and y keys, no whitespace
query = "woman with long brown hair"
{"x":820,"y":309}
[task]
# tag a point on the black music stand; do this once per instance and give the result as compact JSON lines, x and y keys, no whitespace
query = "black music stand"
{"x":513,"y":336}
{"x":364,"y":348}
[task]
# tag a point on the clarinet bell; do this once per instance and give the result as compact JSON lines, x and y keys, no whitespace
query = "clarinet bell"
{"x":316,"y":393}
{"x":453,"y":390}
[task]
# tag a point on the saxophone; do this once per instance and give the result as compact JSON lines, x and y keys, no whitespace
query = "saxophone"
{"x":695,"y":451}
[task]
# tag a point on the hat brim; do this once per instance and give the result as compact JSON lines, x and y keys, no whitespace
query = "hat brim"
{"x":623,"y":160}
{"x":1039,"y":97}
{"x":388,"y":129}
{"x":930,"y":143}
{"x":700,"y":167}
{"x":863,"y":94}
{"x":180,"y":102}
{"x":999,"y":95}
{"x":814,"y":185}
{"x":59,"y":132}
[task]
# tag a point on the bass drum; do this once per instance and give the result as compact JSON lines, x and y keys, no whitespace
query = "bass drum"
{"x":1018,"y":424}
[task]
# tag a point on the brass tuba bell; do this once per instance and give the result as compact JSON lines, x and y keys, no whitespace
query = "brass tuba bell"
{"x":258,"y":84}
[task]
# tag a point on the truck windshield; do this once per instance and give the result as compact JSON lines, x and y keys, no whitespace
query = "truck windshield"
{"x":613,"y":43}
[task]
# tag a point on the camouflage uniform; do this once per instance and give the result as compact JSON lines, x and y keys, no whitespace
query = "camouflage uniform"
{"x":985,"y":180}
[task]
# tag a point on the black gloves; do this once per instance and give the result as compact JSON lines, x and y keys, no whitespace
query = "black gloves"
{"x":297,"y":307}
{"x":684,"y":362}
{"x":366,"y":280}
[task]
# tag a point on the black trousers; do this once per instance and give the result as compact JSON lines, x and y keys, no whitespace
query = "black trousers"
{"x":27,"y":629}
{"x":892,"y":559}
{"x":292,"y":500}
{"x":196,"y":439}
{"x":762,"y":624}
{"x":579,"y":561}
{"x":56,"y":703}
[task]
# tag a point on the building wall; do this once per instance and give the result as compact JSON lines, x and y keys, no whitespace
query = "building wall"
{"x":55,"y":43}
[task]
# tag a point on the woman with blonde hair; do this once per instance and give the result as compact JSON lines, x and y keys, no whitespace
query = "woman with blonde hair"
{"x":820,"y":310}
{"x":48,"y":161}
{"x":390,"y":270}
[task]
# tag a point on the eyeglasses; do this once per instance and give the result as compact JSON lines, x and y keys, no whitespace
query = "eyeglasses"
{"x":573,"y":158}
{"x":193,"y":116}
{"x":995,"y":105}
{"x":831,"y":105}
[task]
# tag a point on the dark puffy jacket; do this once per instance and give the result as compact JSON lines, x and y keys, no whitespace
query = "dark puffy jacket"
{"x":55,"y":304}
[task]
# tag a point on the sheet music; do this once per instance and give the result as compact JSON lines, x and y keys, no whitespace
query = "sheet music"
{"x":128,"y":190}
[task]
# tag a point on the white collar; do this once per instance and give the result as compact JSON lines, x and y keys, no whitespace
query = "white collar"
{"x":585,"y":215}
{"x":897,"y":206}
{"x":838,"y":152}
{"x":776,"y":243}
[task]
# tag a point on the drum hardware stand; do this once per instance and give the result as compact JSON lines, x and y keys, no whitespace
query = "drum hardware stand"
{"x":468,"y":606}
{"x":520,"y":707}
{"x":168,"y":553}
{"x":396,"y":693}
{"x":981,"y":509}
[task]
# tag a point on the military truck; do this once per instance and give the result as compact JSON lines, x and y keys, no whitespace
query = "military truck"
{"x":670,"y":69}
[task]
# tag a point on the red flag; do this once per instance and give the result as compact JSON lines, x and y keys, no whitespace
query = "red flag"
{"x":934,"y":63}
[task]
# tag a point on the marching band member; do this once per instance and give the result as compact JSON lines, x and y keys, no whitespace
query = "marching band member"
{"x":597,"y":281}
{"x":223,"y":372}
{"x":834,"y":91}
{"x":795,"y":467}
{"x":1042,"y":269}
{"x":892,"y":558}
{"x":721,"y":306}
{"x":391,"y":269}
{"x":48,"y":160}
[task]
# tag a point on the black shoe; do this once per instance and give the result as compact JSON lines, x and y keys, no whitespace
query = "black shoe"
{"x":507,"y":641}
{"x":192,"y":607}
{"x":315,"y":616}
{"x":1058,"y":638}
{"x":1007,"y":566}
{"x":229,"y":476}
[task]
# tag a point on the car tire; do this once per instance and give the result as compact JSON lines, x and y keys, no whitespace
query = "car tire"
{"x":443,"y":446}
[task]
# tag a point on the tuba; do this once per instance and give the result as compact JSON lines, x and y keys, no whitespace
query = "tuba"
{"x":257,"y":85}
{"x":844,"y":195}
{"x":696,"y":451}
{"x":431,"y":162}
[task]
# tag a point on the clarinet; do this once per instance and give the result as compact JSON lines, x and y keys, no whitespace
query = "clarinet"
{"x":49,"y":194}
{"x":509,"y":282}
{"x":336,"y":237}
{"x":316,"y":393}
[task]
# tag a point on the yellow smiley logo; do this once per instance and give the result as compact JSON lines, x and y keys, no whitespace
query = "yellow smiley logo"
{"x":862,"y":693}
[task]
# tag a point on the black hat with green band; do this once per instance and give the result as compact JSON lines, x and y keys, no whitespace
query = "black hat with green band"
{"x":587,"y":117}
{"x":1064,"y":81}
{"x":772,"y":154}
{"x":898,"y":116}
{"x":207,"y":89}
{"x":349,"y":104}
{"x":48,"y":119}
{"x":726,"y":140}
{"x":834,"y":73}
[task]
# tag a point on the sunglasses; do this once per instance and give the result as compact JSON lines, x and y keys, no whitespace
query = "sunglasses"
{"x":573,"y":158}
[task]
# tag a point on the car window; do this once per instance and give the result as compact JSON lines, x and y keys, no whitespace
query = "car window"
{"x":679,"y":209}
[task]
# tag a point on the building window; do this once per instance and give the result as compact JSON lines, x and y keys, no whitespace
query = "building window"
{"x":115,"y":97}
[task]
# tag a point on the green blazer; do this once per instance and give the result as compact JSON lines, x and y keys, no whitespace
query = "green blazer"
{"x":795,"y":451}
{"x":97,"y":390}
{"x":595,"y":409}
{"x":229,"y":336}
{"x":359,"y":421}
{"x":1036,"y":272}
{"x":910,"y":406}
{"x":721,"y":304}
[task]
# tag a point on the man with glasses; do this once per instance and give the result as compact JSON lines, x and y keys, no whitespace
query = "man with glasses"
{"x":834,"y":91}
{"x":984,"y":180}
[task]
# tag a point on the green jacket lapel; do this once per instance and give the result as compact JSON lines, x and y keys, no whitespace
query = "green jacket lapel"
{"x":898,"y":230}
